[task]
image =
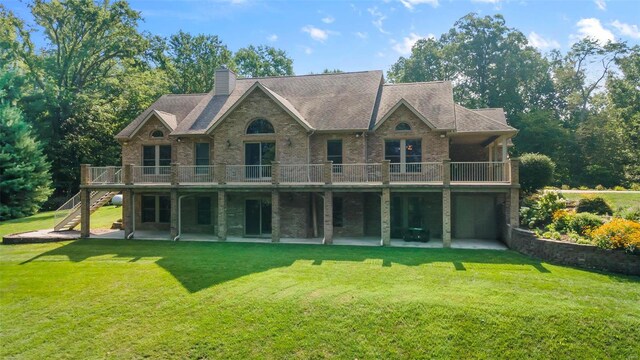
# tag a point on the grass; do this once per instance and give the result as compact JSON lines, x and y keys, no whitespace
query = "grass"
{"x":101,"y":219}
{"x":615,"y":200}
{"x":138,"y":299}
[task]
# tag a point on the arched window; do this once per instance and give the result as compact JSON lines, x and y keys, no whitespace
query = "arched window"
{"x":403,"y":127}
{"x":260,"y":126}
{"x":157,"y":134}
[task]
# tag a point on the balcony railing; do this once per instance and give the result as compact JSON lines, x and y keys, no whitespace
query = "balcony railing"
{"x":369,"y":173}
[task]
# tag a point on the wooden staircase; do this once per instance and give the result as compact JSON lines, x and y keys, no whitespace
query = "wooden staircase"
{"x":72,"y":218}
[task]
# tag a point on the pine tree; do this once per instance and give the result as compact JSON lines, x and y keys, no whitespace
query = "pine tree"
{"x":25,"y":182}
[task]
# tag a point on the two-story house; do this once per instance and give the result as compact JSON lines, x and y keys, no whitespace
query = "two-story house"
{"x":314,"y":156}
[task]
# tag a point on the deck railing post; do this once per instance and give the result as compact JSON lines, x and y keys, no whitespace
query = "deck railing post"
{"x":446,"y":172}
{"x":85,"y":174}
{"x":328,"y":172}
{"x":127,"y":174}
{"x":514,"y":165}
{"x":275,"y":172}
{"x":386,"y":171}
{"x":174,"y":173}
{"x":220,"y":171}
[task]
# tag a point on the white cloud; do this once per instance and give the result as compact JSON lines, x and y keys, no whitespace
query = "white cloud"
{"x":404,"y":47}
{"x":410,"y":4}
{"x":601,"y":4}
{"x":486,"y":1}
{"x":328,"y":19}
{"x":361,"y":35}
{"x":380,"y":54}
{"x":629,"y":30}
{"x":378,"y":18}
{"x":238,"y":2}
{"x":541,"y":43}
{"x":272,"y":37}
{"x":318,"y":34}
{"x":308,"y":50}
{"x":592,"y":28}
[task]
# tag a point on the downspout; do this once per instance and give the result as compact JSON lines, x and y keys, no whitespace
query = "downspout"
{"x":179,"y":218}
{"x":133,"y":217}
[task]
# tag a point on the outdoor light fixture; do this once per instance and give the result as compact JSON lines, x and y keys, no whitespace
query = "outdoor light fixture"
{"x":228,"y":143}
{"x":288,"y":141}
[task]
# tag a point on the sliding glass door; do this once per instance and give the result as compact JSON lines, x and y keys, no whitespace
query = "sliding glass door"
{"x":258,"y":157}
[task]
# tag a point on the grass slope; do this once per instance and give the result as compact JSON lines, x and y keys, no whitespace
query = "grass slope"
{"x":125,"y":299}
{"x":101,"y":219}
{"x":615,"y":200}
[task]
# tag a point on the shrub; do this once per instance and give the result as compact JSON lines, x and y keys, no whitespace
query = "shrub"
{"x":600,"y":187}
{"x":561,"y":219}
{"x":595,"y":205}
{"x":635,"y":187}
{"x":536,"y":171}
{"x":583,"y":188}
{"x":618,"y":234}
{"x":632,"y":213}
{"x":541,"y":209}
{"x":584,"y":223}
{"x":619,"y":188}
{"x":565,"y":187}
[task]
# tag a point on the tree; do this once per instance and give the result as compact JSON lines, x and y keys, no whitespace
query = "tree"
{"x":536,"y":172}
{"x":263,"y":60}
{"x":24,"y":171}
{"x":193,"y":60}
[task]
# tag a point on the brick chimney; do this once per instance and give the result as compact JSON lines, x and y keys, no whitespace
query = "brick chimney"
{"x":224,"y":81}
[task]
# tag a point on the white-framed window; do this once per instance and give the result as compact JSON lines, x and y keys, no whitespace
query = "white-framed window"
{"x":405,"y":155}
{"x":156,"y":159}
{"x":156,"y":208}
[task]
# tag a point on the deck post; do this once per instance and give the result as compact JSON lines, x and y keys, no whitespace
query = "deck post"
{"x":127,"y":212}
{"x":386,"y":171}
{"x":446,"y":217}
{"x":220,"y":170}
{"x":446,"y":172}
{"x":222,"y":215}
{"x":275,"y":172}
{"x":127,"y":174}
{"x":275,"y":216}
{"x":85,"y":213}
{"x":514,"y":165}
{"x":327,"y":172}
{"x":514,"y":207}
{"x":174,"y":216}
{"x":328,"y":217}
{"x":385,"y":212}
{"x":85,"y":174}
{"x":174,"y":173}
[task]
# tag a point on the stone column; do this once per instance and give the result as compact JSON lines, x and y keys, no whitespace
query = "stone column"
{"x":175,"y":216}
{"x":328,"y":217}
{"x":127,"y":212}
{"x":174,"y":173}
{"x":386,"y":171}
{"x":221,"y":173}
{"x":275,"y":172}
{"x":446,"y":217}
{"x":275,"y":216}
{"x":127,"y":174}
{"x":222,"y":215}
{"x":514,"y":207}
{"x":327,"y":172}
{"x":515,"y":171}
{"x":446,"y":172}
{"x":85,"y":201}
{"x":385,"y":215}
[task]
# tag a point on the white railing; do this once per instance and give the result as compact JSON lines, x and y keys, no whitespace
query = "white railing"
{"x":152,"y":174}
{"x":303,"y":173}
{"x":357,"y":173}
{"x":67,"y":208}
{"x":105,"y":175}
{"x":196,"y":174}
{"x":479,"y":172}
{"x":248,"y":173}
{"x":415,"y":172}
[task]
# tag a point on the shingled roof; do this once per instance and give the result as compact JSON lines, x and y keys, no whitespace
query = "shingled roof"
{"x":346,"y":101}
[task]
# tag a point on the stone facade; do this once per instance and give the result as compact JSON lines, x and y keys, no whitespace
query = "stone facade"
{"x":564,"y":253}
{"x":132,"y":149}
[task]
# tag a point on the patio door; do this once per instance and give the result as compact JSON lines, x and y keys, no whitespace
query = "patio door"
{"x":257,"y":217}
{"x":256,"y":156}
{"x":405,"y":155}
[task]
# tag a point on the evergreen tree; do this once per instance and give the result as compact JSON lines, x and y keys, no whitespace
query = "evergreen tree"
{"x":25,"y":182}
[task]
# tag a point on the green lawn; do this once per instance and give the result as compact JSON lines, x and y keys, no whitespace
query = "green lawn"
{"x":615,"y":200}
{"x":139,"y":299}
{"x":101,"y":219}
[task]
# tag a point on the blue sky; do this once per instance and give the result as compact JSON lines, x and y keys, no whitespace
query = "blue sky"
{"x":365,"y":35}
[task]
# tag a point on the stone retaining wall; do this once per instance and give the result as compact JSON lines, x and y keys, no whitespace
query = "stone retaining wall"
{"x":565,"y":253}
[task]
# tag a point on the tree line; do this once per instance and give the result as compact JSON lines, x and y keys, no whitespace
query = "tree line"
{"x":96,"y":72}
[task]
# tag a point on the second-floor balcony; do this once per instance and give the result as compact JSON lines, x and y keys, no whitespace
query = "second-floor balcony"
{"x":428,"y":173}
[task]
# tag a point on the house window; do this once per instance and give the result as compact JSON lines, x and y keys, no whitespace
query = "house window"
{"x":260,"y":126}
{"x":338,"y":213}
{"x":156,"y":209}
{"x":157,"y":134}
{"x":403,"y":127}
{"x":204,"y":210}
{"x":202,"y":158}
{"x":155,"y":156}
{"x":405,"y":155}
{"x":334,"y":153}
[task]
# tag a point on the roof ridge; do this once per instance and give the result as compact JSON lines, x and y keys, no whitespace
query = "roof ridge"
{"x":307,"y":75}
{"x":194,"y":94}
{"x":486,"y":117}
{"x":419,"y":83}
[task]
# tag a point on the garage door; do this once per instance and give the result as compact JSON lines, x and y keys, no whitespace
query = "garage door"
{"x":474,"y":216}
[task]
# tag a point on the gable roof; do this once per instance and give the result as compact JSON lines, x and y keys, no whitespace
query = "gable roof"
{"x":477,"y":120}
{"x":404,"y":102}
{"x":325,"y":102}
{"x":434,"y":100}
{"x":171,"y":109}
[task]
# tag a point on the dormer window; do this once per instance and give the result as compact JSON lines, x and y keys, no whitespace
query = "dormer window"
{"x":260,"y":126}
{"x":403,"y":127}
{"x":157,"y":134}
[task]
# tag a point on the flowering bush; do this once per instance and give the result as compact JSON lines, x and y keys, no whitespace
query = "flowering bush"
{"x":541,"y":209}
{"x":584,"y":223}
{"x":618,"y":234}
